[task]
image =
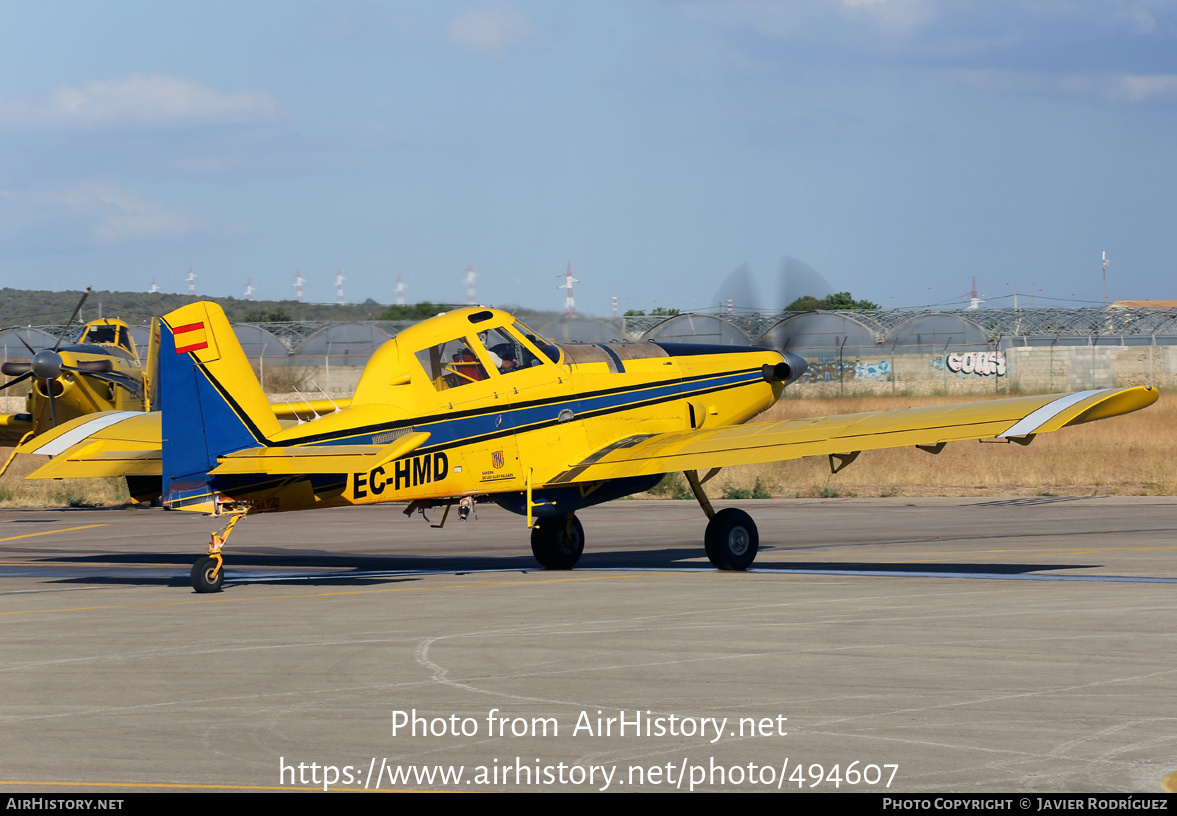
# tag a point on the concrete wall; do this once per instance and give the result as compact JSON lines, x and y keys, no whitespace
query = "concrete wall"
{"x":981,"y":369}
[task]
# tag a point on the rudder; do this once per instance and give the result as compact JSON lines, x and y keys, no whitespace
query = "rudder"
{"x":210,"y":401}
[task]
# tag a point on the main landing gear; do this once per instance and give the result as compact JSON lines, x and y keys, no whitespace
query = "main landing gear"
{"x":557,"y":541}
{"x":731,"y":539}
{"x":208,"y":574}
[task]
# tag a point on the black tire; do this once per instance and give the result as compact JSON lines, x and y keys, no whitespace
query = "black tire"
{"x":551,"y":546}
{"x":203,"y":579}
{"x":731,"y":539}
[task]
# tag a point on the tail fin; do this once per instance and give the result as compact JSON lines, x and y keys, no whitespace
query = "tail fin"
{"x":210,"y":400}
{"x":151,"y":369}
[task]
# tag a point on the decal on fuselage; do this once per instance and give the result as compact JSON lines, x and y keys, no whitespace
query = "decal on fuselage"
{"x":412,"y":471}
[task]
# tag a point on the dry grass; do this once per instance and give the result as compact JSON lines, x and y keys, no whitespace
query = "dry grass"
{"x":15,"y":491}
{"x":1126,"y":456}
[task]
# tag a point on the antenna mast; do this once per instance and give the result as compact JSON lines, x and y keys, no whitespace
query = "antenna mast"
{"x":471,"y":293}
{"x":1105,"y":278}
{"x":569,"y":301}
{"x":299,"y":280}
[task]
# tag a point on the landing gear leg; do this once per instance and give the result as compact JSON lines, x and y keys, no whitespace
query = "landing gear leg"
{"x":12,"y":455}
{"x":208,"y":574}
{"x":557,"y":541}
{"x":731,"y":539}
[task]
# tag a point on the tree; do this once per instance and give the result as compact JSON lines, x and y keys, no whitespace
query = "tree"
{"x":415,"y":311}
{"x":805,"y":303}
{"x":843,"y":300}
{"x":660,"y":311}
{"x":838,"y":300}
{"x":267,"y":317}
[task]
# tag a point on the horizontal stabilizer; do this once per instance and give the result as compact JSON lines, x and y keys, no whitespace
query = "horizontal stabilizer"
{"x":110,"y":443}
{"x":310,"y":460}
{"x":127,"y":443}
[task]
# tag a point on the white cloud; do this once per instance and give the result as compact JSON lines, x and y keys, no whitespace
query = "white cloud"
{"x":105,"y":212}
{"x":1145,"y":16}
{"x":1136,"y":88}
{"x":783,"y":19}
{"x":122,"y":215}
{"x":140,"y":100}
{"x":1111,"y":88}
{"x":894,"y":16}
{"x":778,"y":20}
{"x":489,"y":28}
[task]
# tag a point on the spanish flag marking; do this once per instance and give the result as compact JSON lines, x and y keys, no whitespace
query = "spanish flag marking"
{"x":190,"y":338}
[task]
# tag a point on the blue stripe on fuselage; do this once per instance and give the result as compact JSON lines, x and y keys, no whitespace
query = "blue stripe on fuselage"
{"x":447,"y":431}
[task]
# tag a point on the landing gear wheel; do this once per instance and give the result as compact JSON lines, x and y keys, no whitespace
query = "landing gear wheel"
{"x":731,"y":539}
{"x":551,"y":545}
{"x":208,"y":574}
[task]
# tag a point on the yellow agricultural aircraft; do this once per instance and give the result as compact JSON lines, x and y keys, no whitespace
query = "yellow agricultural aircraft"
{"x":99,"y":371}
{"x":472,"y":405}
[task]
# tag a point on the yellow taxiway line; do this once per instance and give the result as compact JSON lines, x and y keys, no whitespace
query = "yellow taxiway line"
{"x":49,"y":532}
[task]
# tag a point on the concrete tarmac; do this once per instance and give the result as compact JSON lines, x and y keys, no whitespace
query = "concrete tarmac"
{"x":882,"y":645}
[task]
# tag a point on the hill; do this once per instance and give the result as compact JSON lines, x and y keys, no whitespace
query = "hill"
{"x":39,"y":307}
{"x":30,"y":307}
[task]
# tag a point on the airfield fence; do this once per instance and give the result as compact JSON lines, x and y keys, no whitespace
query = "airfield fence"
{"x":872,"y":351}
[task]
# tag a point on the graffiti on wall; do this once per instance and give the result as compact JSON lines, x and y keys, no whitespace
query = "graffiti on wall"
{"x":876,"y":371}
{"x":828,"y":368}
{"x":980,"y":363}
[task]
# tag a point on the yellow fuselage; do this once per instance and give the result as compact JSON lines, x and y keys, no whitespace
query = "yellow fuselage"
{"x":508,"y":432}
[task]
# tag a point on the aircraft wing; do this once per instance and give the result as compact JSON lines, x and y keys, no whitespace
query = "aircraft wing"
{"x":13,"y":427}
{"x":108,"y":443}
{"x":1016,"y":419}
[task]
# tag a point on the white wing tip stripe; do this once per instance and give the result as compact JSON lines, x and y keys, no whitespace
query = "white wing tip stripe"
{"x":1036,"y":419}
{"x":70,"y":438}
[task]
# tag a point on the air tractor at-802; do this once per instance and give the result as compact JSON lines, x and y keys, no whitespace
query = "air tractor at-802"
{"x":472,"y":406}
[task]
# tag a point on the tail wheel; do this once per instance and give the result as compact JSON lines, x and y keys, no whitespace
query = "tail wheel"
{"x":731,"y":539}
{"x":556,"y":544}
{"x":208,"y":574}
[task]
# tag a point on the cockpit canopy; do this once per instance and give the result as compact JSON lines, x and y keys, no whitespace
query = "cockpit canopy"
{"x":489,"y":344}
{"x":107,"y":333}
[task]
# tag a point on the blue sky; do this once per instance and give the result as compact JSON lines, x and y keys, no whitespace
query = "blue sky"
{"x":897,"y":147}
